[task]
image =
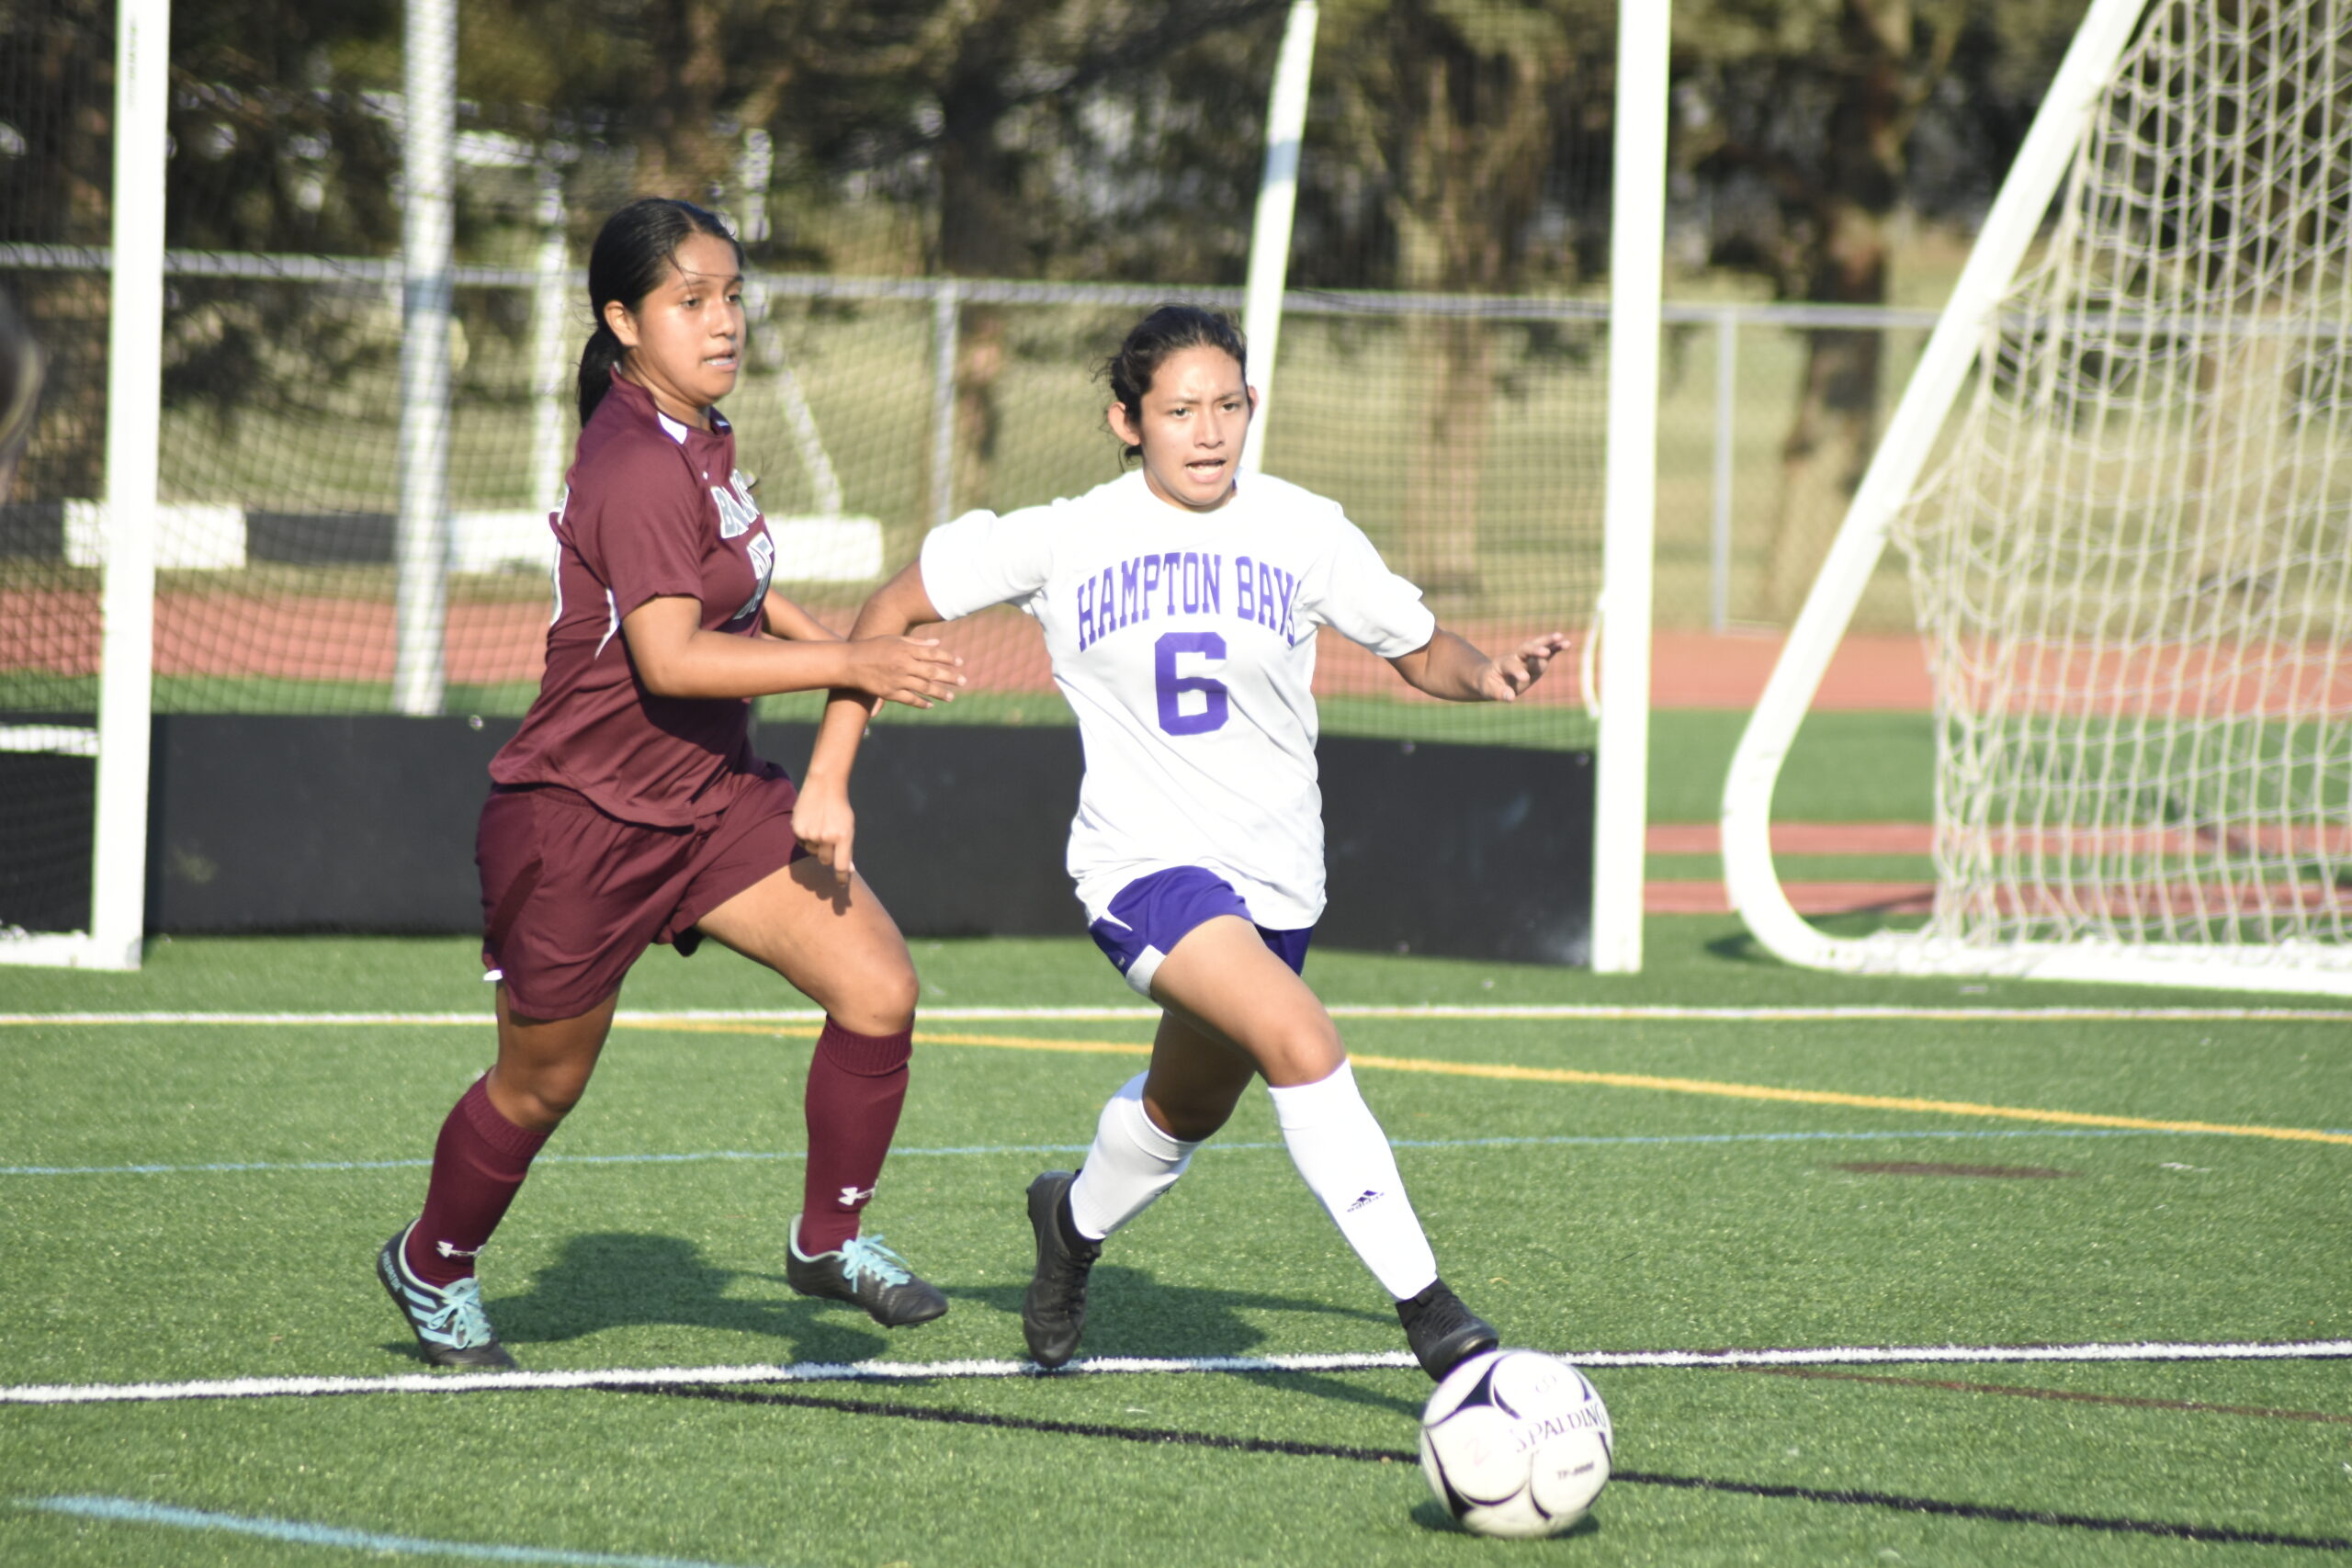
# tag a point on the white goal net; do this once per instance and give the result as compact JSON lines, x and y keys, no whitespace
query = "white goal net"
{"x":2132,"y":563}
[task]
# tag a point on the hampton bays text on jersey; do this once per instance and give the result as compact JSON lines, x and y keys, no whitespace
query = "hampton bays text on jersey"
{"x":1185,"y":583}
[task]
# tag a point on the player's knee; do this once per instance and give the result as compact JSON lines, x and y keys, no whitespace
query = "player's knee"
{"x":869,"y":994}
{"x":1189,"y":1121}
{"x":889,"y":999}
{"x":540,"y":1101}
{"x":1303,"y":1055}
{"x":879,"y":1000}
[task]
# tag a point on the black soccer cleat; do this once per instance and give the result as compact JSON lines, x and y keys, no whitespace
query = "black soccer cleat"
{"x":1053,"y":1314}
{"x":448,"y":1320}
{"x":1442,"y":1331}
{"x":866,"y":1274}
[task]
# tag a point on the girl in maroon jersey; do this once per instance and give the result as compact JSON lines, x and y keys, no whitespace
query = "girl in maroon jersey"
{"x":629,"y":809}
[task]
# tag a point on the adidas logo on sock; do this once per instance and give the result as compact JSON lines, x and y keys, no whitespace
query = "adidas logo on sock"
{"x":1366,"y":1198}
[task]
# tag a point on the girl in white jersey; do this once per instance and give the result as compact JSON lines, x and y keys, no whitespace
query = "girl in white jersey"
{"x":1179,"y":605}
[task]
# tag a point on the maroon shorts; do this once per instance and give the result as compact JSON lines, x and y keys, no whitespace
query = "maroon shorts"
{"x":570,"y":897}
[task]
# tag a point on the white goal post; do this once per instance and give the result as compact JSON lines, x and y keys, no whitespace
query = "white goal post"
{"x":2133,"y":559}
{"x":134,"y":410}
{"x":141,"y":525}
{"x":1637,"y":244}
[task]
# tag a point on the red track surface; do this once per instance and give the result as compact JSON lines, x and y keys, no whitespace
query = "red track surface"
{"x":227,"y":634}
{"x":1918,"y":839}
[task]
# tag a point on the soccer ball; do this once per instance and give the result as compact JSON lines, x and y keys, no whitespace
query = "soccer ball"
{"x":1516,"y":1443}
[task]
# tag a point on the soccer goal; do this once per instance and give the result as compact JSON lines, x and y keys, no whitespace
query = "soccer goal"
{"x":276,"y":497}
{"x":2132,"y":550}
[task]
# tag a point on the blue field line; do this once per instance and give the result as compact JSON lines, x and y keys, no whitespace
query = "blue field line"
{"x":130,"y":1511}
{"x":984,"y":1150}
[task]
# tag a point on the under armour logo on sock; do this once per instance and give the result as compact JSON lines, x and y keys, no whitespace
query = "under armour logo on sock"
{"x":1366,"y":1198}
{"x":446,"y":1250}
{"x":853,"y":1196}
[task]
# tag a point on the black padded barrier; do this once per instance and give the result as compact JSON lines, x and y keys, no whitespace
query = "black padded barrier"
{"x":366,"y":824}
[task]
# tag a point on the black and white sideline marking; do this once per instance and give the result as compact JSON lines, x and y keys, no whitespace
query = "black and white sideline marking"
{"x":622,"y":1378}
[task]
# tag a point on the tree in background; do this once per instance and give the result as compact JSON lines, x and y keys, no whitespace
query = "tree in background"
{"x":1455,"y":146}
{"x":55,"y":98}
{"x":1801,"y":120}
{"x":1052,"y":139}
{"x":1445,"y":136}
{"x":275,"y":149}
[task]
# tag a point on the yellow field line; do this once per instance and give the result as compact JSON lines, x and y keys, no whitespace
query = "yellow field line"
{"x":929,"y":1037}
{"x":1602,"y":1081}
{"x":1832,"y":1097}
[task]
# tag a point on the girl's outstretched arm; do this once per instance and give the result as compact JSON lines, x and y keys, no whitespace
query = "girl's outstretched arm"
{"x":780,"y":618}
{"x":822,"y":820}
{"x":676,"y":658}
{"x":1448,"y":667}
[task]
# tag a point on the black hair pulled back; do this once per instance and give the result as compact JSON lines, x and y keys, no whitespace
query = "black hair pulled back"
{"x":1150,"y":342}
{"x":633,"y":256}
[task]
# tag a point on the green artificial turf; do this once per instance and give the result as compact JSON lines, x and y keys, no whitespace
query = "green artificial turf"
{"x":1622,"y":1210}
{"x":1700,"y":960}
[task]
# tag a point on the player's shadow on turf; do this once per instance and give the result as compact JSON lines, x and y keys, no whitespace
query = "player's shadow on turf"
{"x":1130,"y":1313}
{"x":621,"y":1279}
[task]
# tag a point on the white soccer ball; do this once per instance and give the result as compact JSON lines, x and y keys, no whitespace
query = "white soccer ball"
{"x":1516,"y":1443}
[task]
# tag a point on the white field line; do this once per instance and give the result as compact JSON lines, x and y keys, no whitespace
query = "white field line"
{"x":1566,"y":1011}
{"x":751,"y":1156}
{"x":132,"y":1511}
{"x":930,"y":1371}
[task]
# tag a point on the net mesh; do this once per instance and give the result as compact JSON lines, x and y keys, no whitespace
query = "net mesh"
{"x":49,"y":609}
{"x":1463,"y":433}
{"x":2135,"y":569}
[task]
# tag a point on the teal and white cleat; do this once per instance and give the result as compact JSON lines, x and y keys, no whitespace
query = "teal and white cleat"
{"x":448,"y":1320}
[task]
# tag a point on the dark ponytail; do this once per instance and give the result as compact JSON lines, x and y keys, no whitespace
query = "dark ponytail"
{"x":631,"y":259}
{"x":1168,"y":331}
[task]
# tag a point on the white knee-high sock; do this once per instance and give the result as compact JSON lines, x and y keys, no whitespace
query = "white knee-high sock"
{"x":1131,"y":1164}
{"x":1339,"y":1149}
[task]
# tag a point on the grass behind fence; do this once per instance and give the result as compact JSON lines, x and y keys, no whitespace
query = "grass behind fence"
{"x":1352,"y":402}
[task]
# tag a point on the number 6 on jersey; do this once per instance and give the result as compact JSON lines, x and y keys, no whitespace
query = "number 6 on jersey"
{"x":1174,"y":687}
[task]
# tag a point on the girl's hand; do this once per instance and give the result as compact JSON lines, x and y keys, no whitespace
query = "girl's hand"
{"x":1513,"y":672}
{"x":914,"y":671}
{"x":822,"y":821}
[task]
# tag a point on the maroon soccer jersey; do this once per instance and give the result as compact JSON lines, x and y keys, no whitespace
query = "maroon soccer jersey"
{"x":651,"y":509}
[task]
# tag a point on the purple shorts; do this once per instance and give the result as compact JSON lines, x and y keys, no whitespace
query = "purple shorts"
{"x":1151,"y":915}
{"x":571,"y":898}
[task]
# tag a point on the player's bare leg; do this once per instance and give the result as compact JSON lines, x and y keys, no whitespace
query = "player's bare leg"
{"x":1196,"y":1078}
{"x":544,"y":1064}
{"x":1224,"y":979}
{"x":840,"y":948}
{"x":1148,"y":1130}
{"x":1142,"y":1144}
{"x":837,"y":945}
{"x":483,"y":1153}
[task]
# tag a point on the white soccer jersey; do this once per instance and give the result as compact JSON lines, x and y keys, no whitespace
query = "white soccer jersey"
{"x":1184,"y":642}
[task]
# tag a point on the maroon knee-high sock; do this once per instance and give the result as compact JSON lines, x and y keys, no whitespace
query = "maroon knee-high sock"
{"x":478,"y":1164}
{"x":856,"y":1084}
